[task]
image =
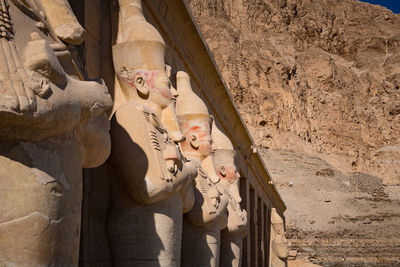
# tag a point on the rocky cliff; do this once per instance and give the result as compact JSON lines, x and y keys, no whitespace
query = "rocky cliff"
{"x":320,"y":77}
{"x":318,"y":84}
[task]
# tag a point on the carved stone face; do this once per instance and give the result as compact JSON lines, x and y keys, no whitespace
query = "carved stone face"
{"x":151,"y":85}
{"x":227,"y":172}
{"x":279,"y":243}
{"x":230,"y":179}
{"x":280,"y":247}
{"x":198,"y":136}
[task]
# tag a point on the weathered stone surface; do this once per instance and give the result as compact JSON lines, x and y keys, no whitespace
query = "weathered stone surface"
{"x":63,"y":21}
{"x":94,"y":245}
{"x":40,"y":187}
{"x":201,"y":245}
{"x":147,"y":235}
{"x":93,"y":18}
{"x":93,"y":56}
{"x":301,"y":263}
{"x":231,"y":250}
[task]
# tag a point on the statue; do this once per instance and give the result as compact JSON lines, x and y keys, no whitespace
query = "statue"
{"x":279,"y":248}
{"x":234,"y":228}
{"x":202,"y":224}
{"x":52,"y":124}
{"x":145,"y":216}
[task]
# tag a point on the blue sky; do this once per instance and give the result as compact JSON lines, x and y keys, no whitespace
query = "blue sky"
{"x":393,"y":5}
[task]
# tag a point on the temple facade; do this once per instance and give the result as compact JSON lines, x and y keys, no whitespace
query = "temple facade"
{"x":120,"y":144}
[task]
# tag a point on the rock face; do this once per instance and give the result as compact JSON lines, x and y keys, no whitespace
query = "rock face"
{"x":317,"y":77}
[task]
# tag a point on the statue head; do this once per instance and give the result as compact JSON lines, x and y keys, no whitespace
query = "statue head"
{"x":194,"y":120}
{"x":224,"y":159}
{"x":139,"y":58}
{"x":152,"y":86}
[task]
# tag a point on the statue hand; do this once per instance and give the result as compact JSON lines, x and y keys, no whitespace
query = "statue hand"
{"x":172,"y":157}
{"x":177,"y":136}
{"x":16,"y":94}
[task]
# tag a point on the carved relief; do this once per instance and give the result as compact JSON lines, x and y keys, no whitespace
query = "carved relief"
{"x":149,"y":169}
{"x":279,"y":247}
{"x":51,"y":125}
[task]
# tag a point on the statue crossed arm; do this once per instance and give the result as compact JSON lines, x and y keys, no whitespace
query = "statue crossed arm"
{"x":38,"y":98}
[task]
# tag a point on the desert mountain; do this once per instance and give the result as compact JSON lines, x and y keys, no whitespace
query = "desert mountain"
{"x":320,"y":77}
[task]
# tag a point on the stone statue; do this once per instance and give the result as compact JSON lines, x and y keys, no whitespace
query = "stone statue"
{"x":145,"y":217}
{"x":202,"y":224}
{"x":279,"y":247}
{"x":52,"y":124}
{"x":235,"y":224}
